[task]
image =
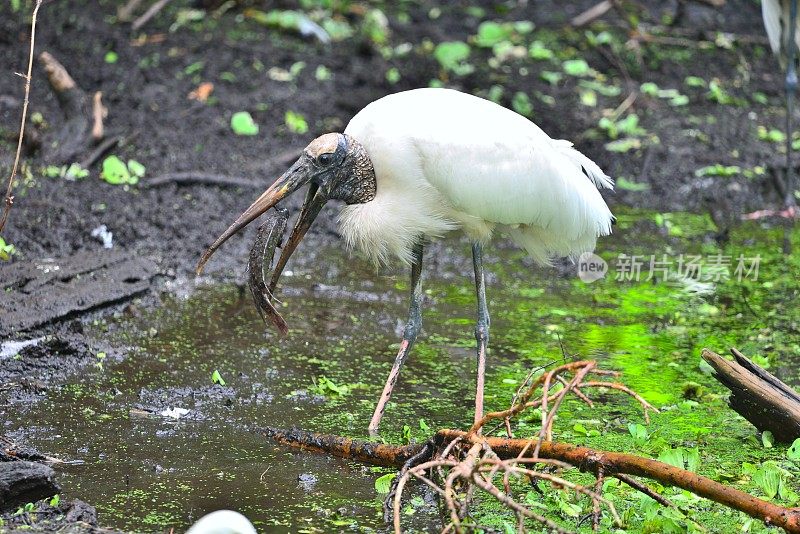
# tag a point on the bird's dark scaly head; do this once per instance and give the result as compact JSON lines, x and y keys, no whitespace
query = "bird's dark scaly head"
{"x":335,"y":166}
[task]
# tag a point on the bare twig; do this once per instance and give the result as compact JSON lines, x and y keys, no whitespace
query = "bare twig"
{"x":9,"y":198}
{"x":99,"y":113}
{"x":591,"y":14}
{"x":151,"y":12}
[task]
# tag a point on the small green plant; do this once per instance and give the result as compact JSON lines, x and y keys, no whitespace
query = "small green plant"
{"x":771,"y":479}
{"x":111,"y":57}
{"x":576,"y":67}
{"x":424,"y":426}
{"x":55,"y":501}
{"x":72,"y":172}
{"x":771,"y":135}
{"x":551,"y":77}
{"x":627,"y":185}
{"x":452,"y":56}
{"x":492,"y":33}
{"x":538,"y":51}
{"x":242,"y":123}
{"x":521,"y":103}
{"x":629,"y":126}
{"x":716,"y":93}
{"x":117,"y":172}
{"x":724,"y":171}
{"x":295,"y":122}
{"x":216,"y":378}
{"x":325,"y":386}
{"x":681,"y":457}
{"x":694,"y":81}
{"x":6,"y":250}
{"x":406,"y":433}
{"x":673,"y":95}
{"x":639,"y":433}
{"x":384,"y":483}
{"x":322,"y":73}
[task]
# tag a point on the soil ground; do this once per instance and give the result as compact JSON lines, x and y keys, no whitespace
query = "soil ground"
{"x":146,"y":90}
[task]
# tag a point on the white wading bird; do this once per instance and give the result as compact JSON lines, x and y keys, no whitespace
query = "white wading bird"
{"x":783,"y":31}
{"x":222,"y":522}
{"x":414,"y":165}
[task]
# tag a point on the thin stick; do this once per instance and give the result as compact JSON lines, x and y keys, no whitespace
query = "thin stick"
{"x":151,"y":12}
{"x":9,"y":200}
{"x":99,"y":113}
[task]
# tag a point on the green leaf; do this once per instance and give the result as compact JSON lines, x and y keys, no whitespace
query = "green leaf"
{"x":55,"y":500}
{"x":521,"y":103}
{"x":242,"y":123}
{"x":627,"y":185}
{"x":135,"y":168}
{"x":539,"y":51}
{"x":490,"y":33}
{"x":424,"y":426}
{"x":767,"y":439}
{"x":672,"y":457}
{"x":576,"y":67}
{"x":623,"y":145}
{"x":115,"y":171}
{"x":588,"y":97}
{"x":649,"y":89}
{"x":639,"y":432}
{"x":216,"y":378}
{"x":694,"y":81}
{"x":384,"y":483}
{"x":111,"y":57}
{"x":692,"y":457}
{"x":551,"y":77}
{"x":6,"y":250}
{"x":718,"y":170}
{"x":295,"y":122}
{"x":451,"y":55}
{"x":407,"y":433}
{"x":793,"y":452}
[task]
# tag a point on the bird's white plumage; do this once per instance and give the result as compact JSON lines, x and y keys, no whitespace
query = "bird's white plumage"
{"x":222,"y":522}
{"x":776,"y":21}
{"x":445,"y":160}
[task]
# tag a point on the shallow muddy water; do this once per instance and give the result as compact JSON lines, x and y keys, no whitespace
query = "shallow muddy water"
{"x":147,"y":471}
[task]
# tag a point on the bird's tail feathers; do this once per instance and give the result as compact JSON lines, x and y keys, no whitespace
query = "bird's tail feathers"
{"x":600,"y":179}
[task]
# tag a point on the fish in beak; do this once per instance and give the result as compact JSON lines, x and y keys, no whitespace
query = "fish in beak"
{"x":298,"y":175}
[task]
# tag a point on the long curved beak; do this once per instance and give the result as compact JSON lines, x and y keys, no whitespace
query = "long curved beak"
{"x":295,"y":177}
{"x":311,"y":207}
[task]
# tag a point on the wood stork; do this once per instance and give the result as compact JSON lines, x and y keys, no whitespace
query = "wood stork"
{"x":415,"y":165}
{"x":781,"y":23}
{"x":222,"y":522}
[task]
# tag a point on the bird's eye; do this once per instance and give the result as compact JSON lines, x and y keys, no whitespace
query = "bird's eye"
{"x":325,"y":159}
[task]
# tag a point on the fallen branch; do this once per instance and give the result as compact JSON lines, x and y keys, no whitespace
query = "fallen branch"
{"x":583,"y":458}
{"x":9,"y":198}
{"x":757,"y":395}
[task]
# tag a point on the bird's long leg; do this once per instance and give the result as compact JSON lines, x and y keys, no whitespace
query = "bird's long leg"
{"x":409,"y":336}
{"x":791,"y":90}
{"x":481,"y":328}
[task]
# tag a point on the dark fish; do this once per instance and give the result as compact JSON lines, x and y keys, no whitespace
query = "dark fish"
{"x":268,"y":239}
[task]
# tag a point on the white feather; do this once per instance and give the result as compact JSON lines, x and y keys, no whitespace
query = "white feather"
{"x":222,"y":522}
{"x":445,"y":160}
{"x":776,"y":21}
